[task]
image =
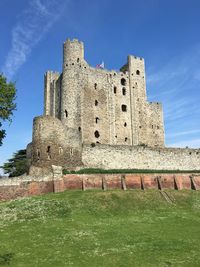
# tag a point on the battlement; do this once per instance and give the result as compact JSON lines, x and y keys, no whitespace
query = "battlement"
{"x":73,"y":41}
{"x":51,"y":73}
{"x":136,"y":58}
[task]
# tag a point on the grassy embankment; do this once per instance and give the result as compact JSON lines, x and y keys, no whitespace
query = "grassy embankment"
{"x":96,"y":228}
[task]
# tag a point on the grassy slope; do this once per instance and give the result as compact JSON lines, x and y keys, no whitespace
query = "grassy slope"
{"x":113,"y":228}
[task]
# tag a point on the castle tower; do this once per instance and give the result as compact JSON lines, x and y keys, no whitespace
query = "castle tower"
{"x":73,"y":51}
{"x":73,"y":57}
{"x":138,"y":94}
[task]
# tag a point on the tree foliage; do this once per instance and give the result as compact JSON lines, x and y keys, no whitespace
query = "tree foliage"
{"x":7,"y":103}
{"x":17,"y":165}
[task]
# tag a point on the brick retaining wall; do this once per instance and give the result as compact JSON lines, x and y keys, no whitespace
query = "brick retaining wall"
{"x":23,"y":188}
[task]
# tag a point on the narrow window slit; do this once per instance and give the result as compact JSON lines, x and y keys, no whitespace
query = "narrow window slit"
{"x":124,"y":108}
{"x":96,"y":134}
{"x":124,"y":91}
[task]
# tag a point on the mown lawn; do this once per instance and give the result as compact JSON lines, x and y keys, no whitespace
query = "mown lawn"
{"x":96,"y":228}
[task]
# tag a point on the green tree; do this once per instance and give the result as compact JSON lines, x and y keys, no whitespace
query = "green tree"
{"x":17,"y":165}
{"x":7,"y":104}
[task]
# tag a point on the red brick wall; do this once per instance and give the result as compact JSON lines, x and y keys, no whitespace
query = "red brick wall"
{"x":99,"y":181}
{"x":25,"y":189}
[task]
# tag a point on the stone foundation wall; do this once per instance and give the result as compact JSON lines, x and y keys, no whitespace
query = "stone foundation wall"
{"x":140,"y":157}
{"x":16,"y":188}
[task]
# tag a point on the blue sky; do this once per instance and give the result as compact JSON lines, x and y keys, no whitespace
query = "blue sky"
{"x":164,"y":33}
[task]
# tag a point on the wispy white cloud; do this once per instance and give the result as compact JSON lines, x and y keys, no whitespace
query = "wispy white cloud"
{"x":176,"y":85}
{"x":176,"y":74}
{"x":177,"y":134}
{"x":32,"y":24}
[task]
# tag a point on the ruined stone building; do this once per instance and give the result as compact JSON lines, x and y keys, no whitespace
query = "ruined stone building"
{"x":101,"y":119}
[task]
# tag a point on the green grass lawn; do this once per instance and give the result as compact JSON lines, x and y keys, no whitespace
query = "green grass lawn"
{"x":96,"y":228}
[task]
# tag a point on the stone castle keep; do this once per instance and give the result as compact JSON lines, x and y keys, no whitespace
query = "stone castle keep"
{"x":95,"y":118}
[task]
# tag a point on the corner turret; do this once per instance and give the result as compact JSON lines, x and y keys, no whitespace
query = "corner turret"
{"x":73,"y":51}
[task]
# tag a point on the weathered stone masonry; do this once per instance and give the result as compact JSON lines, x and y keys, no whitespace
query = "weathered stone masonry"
{"x":102,"y":119}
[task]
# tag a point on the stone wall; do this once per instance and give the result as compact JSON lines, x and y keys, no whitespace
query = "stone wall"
{"x":49,"y":144}
{"x":17,"y":188}
{"x":140,"y":157}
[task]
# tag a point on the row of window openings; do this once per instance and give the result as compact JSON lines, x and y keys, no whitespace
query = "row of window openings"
{"x":97,"y":135}
{"x":123,"y":90}
{"x":79,"y":65}
{"x":115,"y":89}
{"x":123,"y":82}
{"x":137,"y":72}
{"x":60,"y":151}
{"x":97,"y":119}
{"x":125,"y":124}
{"x":152,"y":126}
{"x":123,"y":107}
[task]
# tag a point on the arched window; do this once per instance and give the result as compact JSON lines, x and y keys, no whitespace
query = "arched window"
{"x":96,"y":119}
{"x":123,"y":81}
{"x":115,"y":89}
{"x":96,"y":103}
{"x":137,"y":72}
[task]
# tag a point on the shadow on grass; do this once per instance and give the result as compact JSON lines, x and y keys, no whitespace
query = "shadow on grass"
{"x":5,"y":259}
